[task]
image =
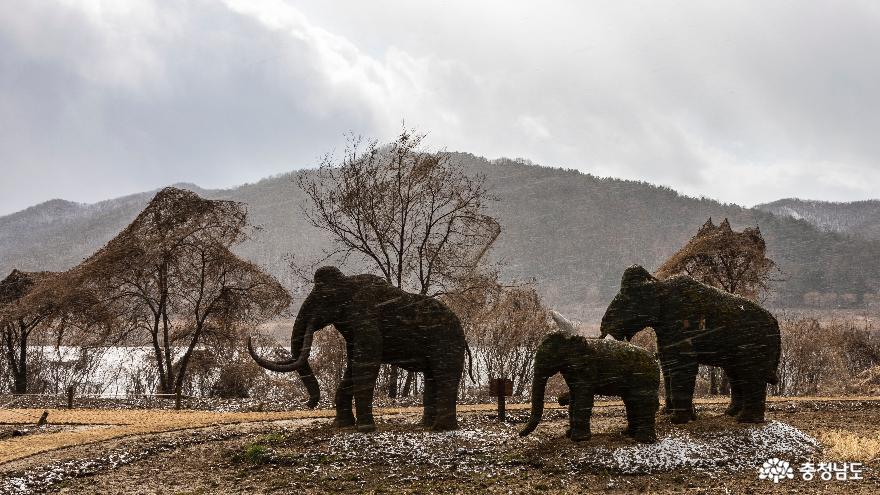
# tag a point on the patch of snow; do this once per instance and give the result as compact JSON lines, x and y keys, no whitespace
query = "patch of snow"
{"x":42,"y":479}
{"x":731,"y":450}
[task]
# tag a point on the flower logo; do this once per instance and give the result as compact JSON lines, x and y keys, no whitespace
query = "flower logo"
{"x":775,"y":469}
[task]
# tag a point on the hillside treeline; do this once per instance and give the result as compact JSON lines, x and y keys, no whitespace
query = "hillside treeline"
{"x":570,"y":232}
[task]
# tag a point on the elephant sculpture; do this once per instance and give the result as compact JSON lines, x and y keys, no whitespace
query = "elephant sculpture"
{"x":381,"y":324}
{"x":698,"y":324}
{"x":595,"y":366}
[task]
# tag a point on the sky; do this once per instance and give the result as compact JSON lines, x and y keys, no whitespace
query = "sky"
{"x":740,"y":101}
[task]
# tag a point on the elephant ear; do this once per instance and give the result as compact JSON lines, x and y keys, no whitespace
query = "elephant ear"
{"x":634,"y":277}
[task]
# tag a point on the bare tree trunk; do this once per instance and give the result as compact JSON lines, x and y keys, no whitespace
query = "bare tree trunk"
{"x":713,"y":381}
{"x":392,"y":382}
{"x":724,"y":388}
{"x":164,"y":387}
{"x":407,"y":384}
{"x":21,"y":371}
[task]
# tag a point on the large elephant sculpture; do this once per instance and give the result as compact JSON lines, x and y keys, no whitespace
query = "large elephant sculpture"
{"x":380,"y":324}
{"x":595,"y":366}
{"x":698,"y":324}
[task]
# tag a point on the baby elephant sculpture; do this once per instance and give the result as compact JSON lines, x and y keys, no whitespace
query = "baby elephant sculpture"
{"x":380,"y":324}
{"x":698,"y":324}
{"x":594,"y":366}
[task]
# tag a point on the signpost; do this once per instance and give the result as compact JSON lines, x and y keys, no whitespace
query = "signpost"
{"x":501,"y":387}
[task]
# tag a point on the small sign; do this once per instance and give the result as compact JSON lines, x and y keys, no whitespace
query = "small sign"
{"x":498,"y":384}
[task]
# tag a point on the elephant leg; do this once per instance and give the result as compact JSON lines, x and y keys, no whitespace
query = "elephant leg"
{"x":667,"y":387}
{"x":641,"y":409}
{"x":754,"y":398}
{"x":683,"y":378}
{"x":344,"y":396}
{"x":628,"y":407}
{"x":736,"y":392}
{"x":580,"y":409}
{"x":311,"y":384}
{"x":569,"y":401}
{"x":447,"y":376}
{"x":447,"y":395}
{"x":430,"y":400}
{"x":363,"y":376}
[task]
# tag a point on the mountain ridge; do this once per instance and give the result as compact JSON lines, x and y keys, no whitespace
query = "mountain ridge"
{"x":573,"y":233}
{"x":858,"y":218}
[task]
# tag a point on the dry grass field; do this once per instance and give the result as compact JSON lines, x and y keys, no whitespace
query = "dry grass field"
{"x":84,"y":450}
{"x":88,"y":426}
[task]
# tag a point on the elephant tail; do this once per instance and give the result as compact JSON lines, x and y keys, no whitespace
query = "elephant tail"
{"x":470,"y":363}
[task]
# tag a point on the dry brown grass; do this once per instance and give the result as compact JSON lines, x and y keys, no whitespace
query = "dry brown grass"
{"x":118,"y":424}
{"x":849,"y":446}
{"x":121,"y":423}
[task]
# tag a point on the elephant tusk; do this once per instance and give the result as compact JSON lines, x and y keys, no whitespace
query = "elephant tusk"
{"x":288,"y":365}
{"x":563,"y":323}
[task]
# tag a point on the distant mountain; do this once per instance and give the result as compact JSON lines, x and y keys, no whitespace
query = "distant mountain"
{"x":858,"y":218}
{"x":571,"y":232}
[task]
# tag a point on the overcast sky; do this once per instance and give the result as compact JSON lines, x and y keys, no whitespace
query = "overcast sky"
{"x":740,"y":101}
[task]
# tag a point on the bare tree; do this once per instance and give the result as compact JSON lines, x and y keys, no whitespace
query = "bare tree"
{"x":831,"y":356}
{"x":171,"y":277}
{"x":42,"y":302}
{"x":718,"y":256}
{"x":415,"y":217}
{"x":17,"y":326}
{"x":735,"y":262}
{"x":506,"y":325}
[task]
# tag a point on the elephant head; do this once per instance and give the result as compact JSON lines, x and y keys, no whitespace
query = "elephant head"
{"x":552,"y":356}
{"x":633,"y":308}
{"x":324,"y":305}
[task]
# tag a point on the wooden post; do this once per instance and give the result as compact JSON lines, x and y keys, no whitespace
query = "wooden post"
{"x":70,"y":397}
{"x":43,"y":419}
{"x":177,"y":400}
{"x":502,"y":414}
{"x":501,"y":387}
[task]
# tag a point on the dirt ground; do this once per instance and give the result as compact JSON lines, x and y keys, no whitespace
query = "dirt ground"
{"x":304,"y":454}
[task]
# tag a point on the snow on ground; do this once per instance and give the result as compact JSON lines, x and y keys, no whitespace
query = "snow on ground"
{"x":730,"y":449}
{"x":470,"y":449}
{"x":40,"y":480}
{"x":481,"y":447}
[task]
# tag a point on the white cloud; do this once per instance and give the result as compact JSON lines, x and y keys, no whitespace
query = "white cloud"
{"x":533,"y":127}
{"x":742,"y":101}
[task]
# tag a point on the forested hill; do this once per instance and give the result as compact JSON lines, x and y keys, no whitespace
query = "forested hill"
{"x":571,"y":232}
{"x":857,"y":218}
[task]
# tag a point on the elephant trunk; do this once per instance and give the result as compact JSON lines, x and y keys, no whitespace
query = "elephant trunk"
{"x":291,"y":364}
{"x":311,"y":384}
{"x":539,"y":386}
{"x":300,"y":328}
{"x":300,"y":347}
